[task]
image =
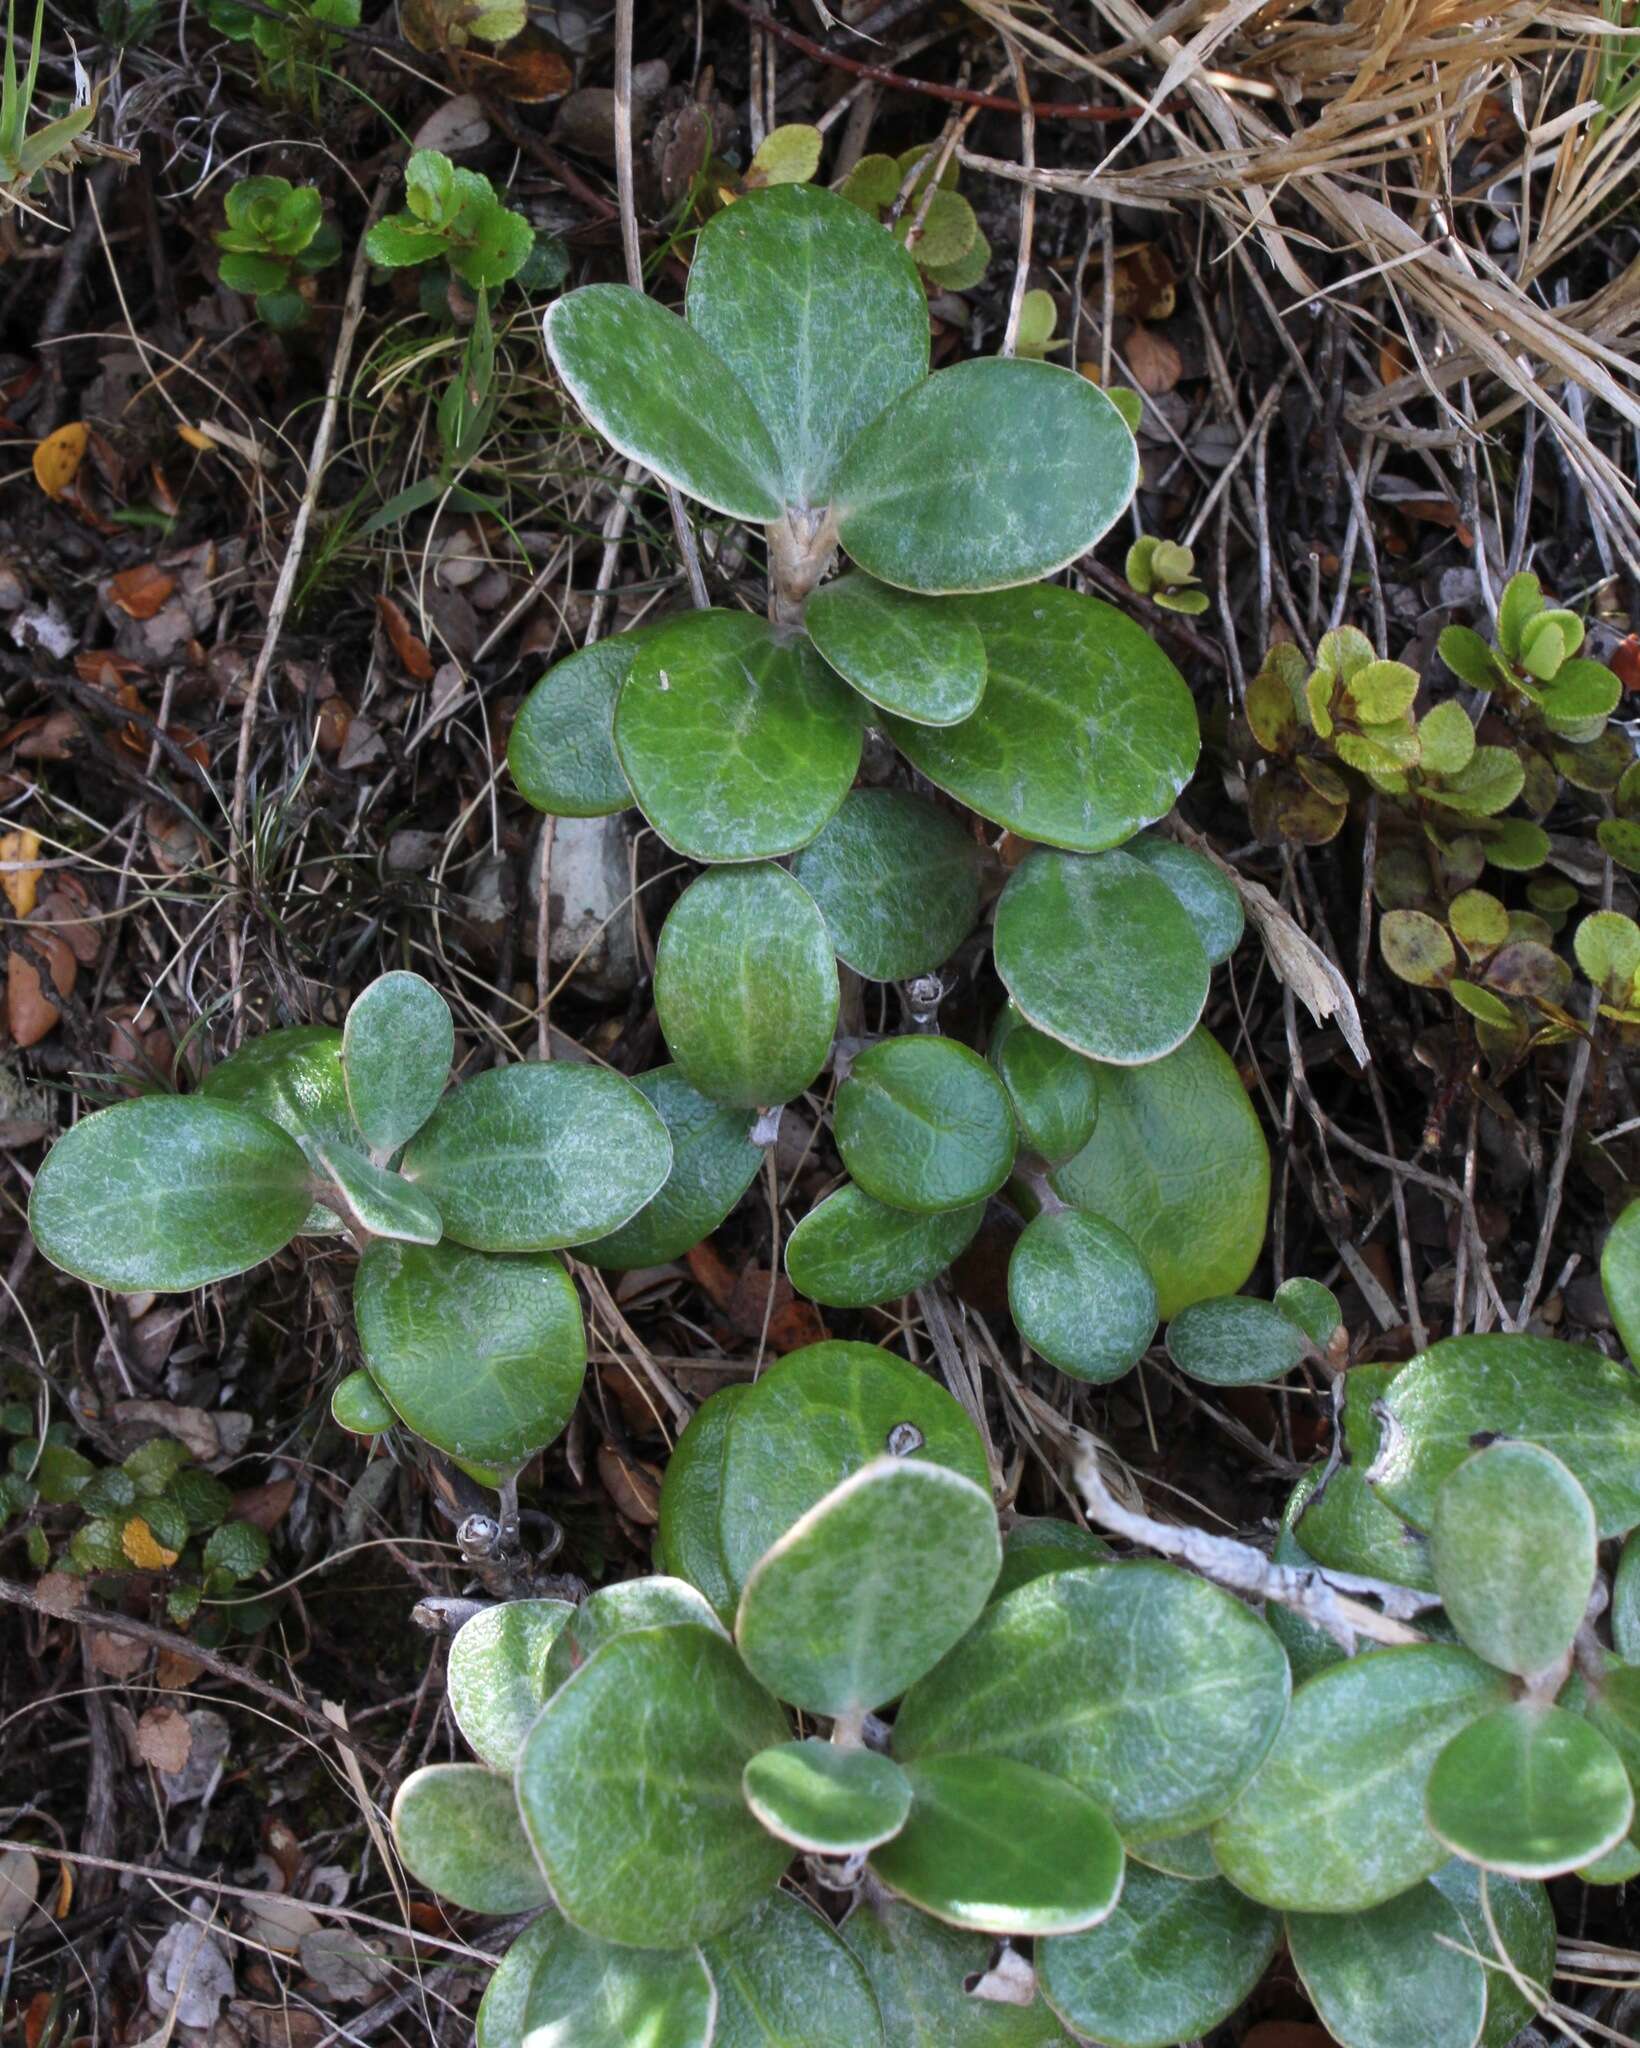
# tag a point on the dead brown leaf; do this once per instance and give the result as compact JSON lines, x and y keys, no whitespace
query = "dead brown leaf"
{"x":1153,"y":362}
{"x":30,"y":1012}
{"x":635,"y":1488}
{"x":191,"y":1426}
{"x":163,"y":1738}
{"x":117,"y":1656}
{"x":266,"y":1506}
{"x":413,"y":656}
{"x":140,"y":592}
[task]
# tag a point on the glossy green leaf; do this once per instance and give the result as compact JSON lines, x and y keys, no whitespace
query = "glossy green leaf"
{"x":1173,"y":1959}
{"x":919,"y":1967}
{"x":1086,"y":730}
{"x":714,"y":1162}
{"x":1525,"y":1924}
{"x":819,"y":315}
{"x":1613,"y":1706}
{"x":1151,"y":1691}
{"x":738,"y":741}
{"x":815,"y":1417}
{"x":629,"y":1784}
{"x":562,"y":752}
{"x":360,"y":1406}
{"x":1334,"y":1820}
{"x":1571,"y":1399}
{"x":1512,"y":1542}
{"x":1054,"y":1091}
{"x":501,"y":2011}
{"x":656,"y":1601}
{"x":382,"y":1204}
{"x":746,"y":986}
{"x":497,"y":1675}
{"x":992,"y":472}
{"x":397,"y":1045}
{"x":1312,"y":1307}
{"x":167,"y":1193}
{"x":531,"y":1157}
{"x":923,"y":1123}
{"x":561,"y":1986}
{"x":1081,"y":1294}
{"x":294,"y":1079}
{"x":1235,"y":1341}
{"x":786,"y":1979}
{"x":827,"y":1800}
{"x":999,"y":1847}
{"x":852,"y":1251}
{"x":456,"y":1827}
{"x":1100,"y":954}
{"x":690,"y":1539}
{"x":897,"y":882}
{"x":1345,"y":1525}
{"x":1206,"y":891}
{"x":870,"y":1588}
{"x":1038,"y":1545}
{"x":482,"y":1356}
{"x":1392,"y":1977}
{"x":1625,"y":1607}
{"x":1530,"y":1790}
{"x":657,"y":392}
{"x":1189,"y":1857}
{"x":1620,"y":1265}
{"x":921,"y":657}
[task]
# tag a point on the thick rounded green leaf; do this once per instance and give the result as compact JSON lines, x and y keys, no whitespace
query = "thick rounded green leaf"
{"x":482,"y":1356}
{"x":1081,"y":1294}
{"x":1309,"y":1649}
{"x":921,"y":657}
{"x":924,"y":1124}
{"x":690,"y":1540}
{"x":1179,"y":1162}
{"x":1569,"y":1398}
{"x":1344,"y":1524}
{"x":497,"y":1675}
{"x":167,"y":1193}
{"x":897,"y":882}
{"x":506,"y":1996}
{"x":1625,"y":1607}
{"x":1235,"y":1341}
{"x":1086,"y":730}
{"x":1183,"y":1856}
{"x":1525,"y":1924}
{"x":819,"y":314}
{"x":746,"y":986}
{"x":713,"y":1164}
{"x":294,"y":1079}
{"x":380,"y":1203}
{"x":1396,"y":1976}
{"x":829,"y":1801}
{"x":870,"y":1588}
{"x":1039,"y":1544}
{"x":739,"y":742}
{"x":852,"y":1251}
{"x":1172,"y":1960}
{"x":528,"y":1158}
{"x":1312,"y":1307}
{"x":629,"y":1784}
{"x":1530,"y":1790}
{"x":655,"y":391}
{"x":456,"y":1827}
{"x":999,"y":1847}
{"x":992,"y":472}
{"x":562,"y":752}
{"x":576,"y":1991}
{"x":814,"y":1418}
{"x":1513,"y":1546}
{"x":1334,"y":1820}
{"x":397,"y":1045}
{"x":1620,"y":1272}
{"x":1618,"y":1866}
{"x":785,"y":1979}
{"x":360,"y":1406}
{"x":1054,"y":1091}
{"x":919,"y":1967}
{"x":657,"y":1601}
{"x":1149,"y":1690}
{"x":1100,"y":954}
{"x":1207,"y":893}
{"x":1613,"y":1706}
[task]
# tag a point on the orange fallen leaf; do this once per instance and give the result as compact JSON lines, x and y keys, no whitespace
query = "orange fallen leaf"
{"x":140,"y":592}
{"x":30,"y":1012}
{"x":58,"y":458}
{"x":1625,"y":662}
{"x":412,"y":653}
{"x":195,"y":439}
{"x":65,"y":1892}
{"x":1153,"y":361}
{"x":144,"y":1548}
{"x":20,"y":869}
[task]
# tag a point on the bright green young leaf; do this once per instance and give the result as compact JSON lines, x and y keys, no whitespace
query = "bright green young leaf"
{"x":482,"y":1356}
{"x":827,"y":1800}
{"x":739,"y":743}
{"x":629,"y":1784}
{"x":1620,"y":1271}
{"x":397,"y":1045}
{"x":168,"y":1193}
{"x":788,"y":155}
{"x":1081,"y":1294}
{"x":1054,"y":1091}
{"x":457,"y":1830}
{"x":1446,"y":738}
{"x":534,"y":1156}
{"x":294,"y":1079}
{"x":1521,"y":602}
{"x":1099,"y":953}
{"x":1574,"y":1401}
{"x":656,"y":1601}
{"x":359,"y":1406}
{"x":1382,"y":691}
{"x":818,"y":314}
{"x":690,"y":1539}
{"x":1333,"y":1822}
{"x":870,"y":1588}
{"x":1173,"y":1959}
{"x":1086,"y":730}
{"x":1396,"y":1976}
{"x":999,"y":1847}
{"x":383,"y":1204}
{"x":1149,"y":1690}
{"x":921,"y":657}
{"x":562,"y":751}
{"x":1469,"y":658}
{"x":746,"y":986}
{"x":897,"y":882}
{"x":587,"y":1993}
{"x":497,"y":1675}
{"x":852,"y":1250}
{"x":919,"y":1967}
{"x":924,"y":1124}
{"x":1530,"y":1790}
{"x":1038,"y":1545}
{"x":657,"y":392}
{"x":992,"y":472}
{"x":786,"y":1979}
{"x":1525,"y":1924}
{"x":1311,"y":1307}
{"x":1207,"y":893}
{"x":1235,"y":1341}
{"x":1512,"y":1542}
{"x":714,"y":1162}
{"x":1625,"y":1607}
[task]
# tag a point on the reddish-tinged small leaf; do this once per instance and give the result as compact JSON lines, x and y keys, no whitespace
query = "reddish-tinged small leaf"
{"x":140,"y":592}
{"x":1625,"y":662}
{"x":1153,"y":362}
{"x":55,"y":736}
{"x":30,"y":1012}
{"x":412,"y":653}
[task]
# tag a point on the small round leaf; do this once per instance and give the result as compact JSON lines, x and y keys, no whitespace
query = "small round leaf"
{"x":397,"y":1045}
{"x":826,"y":1800}
{"x":713,"y":1164}
{"x":785,"y":1979}
{"x":1235,"y":1341}
{"x":897,"y":882}
{"x":1530,"y":1790}
{"x":497,"y":1674}
{"x":360,"y":1406}
{"x":657,"y":1601}
{"x":1205,"y":890}
{"x":922,"y":1123}
{"x":921,"y":657}
{"x":1394,"y":1976}
{"x":852,"y":1251}
{"x":1081,"y":1294}
{"x":1054,"y":1091}
{"x":561,"y":754}
{"x":457,"y":1828}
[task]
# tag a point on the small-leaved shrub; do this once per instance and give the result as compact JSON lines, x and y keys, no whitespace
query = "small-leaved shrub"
{"x":276,"y":234}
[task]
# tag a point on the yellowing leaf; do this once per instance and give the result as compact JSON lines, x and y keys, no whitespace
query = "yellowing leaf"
{"x":58,"y":456}
{"x":19,"y":869}
{"x":144,"y":1548}
{"x":195,"y":439}
{"x":786,"y":156}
